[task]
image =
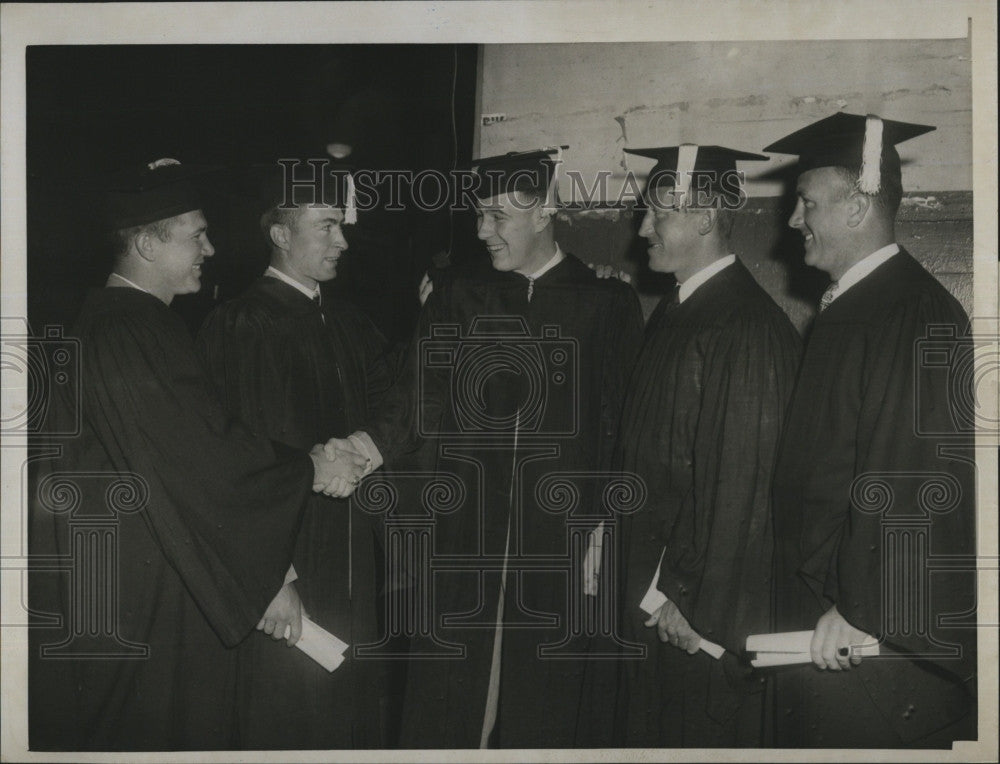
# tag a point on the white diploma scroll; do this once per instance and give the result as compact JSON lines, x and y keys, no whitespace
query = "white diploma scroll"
{"x":320,"y":645}
{"x":791,"y":647}
{"x":654,"y":599}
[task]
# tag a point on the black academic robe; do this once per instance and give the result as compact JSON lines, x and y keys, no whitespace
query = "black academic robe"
{"x":301,"y":374}
{"x":872,"y":485}
{"x":461,"y":394}
{"x":195,"y":518}
{"x":701,"y":427}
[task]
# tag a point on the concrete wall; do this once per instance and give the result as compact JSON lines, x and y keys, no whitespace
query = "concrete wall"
{"x":600,"y":98}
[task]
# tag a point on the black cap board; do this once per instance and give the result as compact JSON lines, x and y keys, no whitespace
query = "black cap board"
{"x":302,"y":181}
{"x":862,"y":143}
{"x":533,"y":171}
{"x":683,"y":167}
{"x":159,"y":190}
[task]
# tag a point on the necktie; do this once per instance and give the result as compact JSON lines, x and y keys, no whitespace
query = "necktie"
{"x":531,"y":287}
{"x":318,"y":302}
{"x":828,"y":295}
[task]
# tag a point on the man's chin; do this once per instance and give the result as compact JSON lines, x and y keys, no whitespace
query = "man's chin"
{"x":657,"y":266}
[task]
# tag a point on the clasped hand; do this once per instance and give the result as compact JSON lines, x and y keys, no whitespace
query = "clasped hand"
{"x":337,"y":467}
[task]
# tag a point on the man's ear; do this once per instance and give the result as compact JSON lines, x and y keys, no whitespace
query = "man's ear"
{"x":858,"y":205}
{"x":145,"y":245}
{"x":279,"y":235}
{"x":543,"y":215}
{"x":708,"y":219}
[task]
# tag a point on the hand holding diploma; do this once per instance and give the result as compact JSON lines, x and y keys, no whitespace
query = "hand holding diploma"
{"x":673,"y":627}
{"x":320,"y":645}
{"x":832,"y":642}
{"x":283,"y":617}
{"x":795,"y":647}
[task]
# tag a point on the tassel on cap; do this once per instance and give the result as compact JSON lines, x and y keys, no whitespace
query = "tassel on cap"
{"x":350,"y":206}
{"x":554,"y":180}
{"x":856,"y":142}
{"x":870,"y":176}
{"x":675,"y":165}
{"x":687,"y":155}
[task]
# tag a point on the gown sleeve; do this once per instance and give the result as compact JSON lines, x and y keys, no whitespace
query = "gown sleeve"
{"x":913,"y":498}
{"x":717,"y":563}
{"x":224,"y":505}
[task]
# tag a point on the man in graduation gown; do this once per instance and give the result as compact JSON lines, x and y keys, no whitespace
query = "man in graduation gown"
{"x":874,"y":480}
{"x":298,"y":368}
{"x":702,"y":421}
{"x":177,"y":522}
{"x":500,"y":430}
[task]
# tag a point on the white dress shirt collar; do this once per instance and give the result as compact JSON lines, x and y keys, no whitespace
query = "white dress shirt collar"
{"x":688,"y":287}
{"x":129,"y":282}
{"x":557,"y":258}
{"x":275,"y":273}
{"x":862,"y":268}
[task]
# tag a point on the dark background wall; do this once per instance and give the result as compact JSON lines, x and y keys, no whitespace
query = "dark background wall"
{"x":95,"y":109}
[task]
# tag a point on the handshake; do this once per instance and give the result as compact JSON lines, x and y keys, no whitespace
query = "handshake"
{"x":338,"y":467}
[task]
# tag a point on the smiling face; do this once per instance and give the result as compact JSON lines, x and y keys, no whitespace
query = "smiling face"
{"x":311,"y":244}
{"x":673,"y":236}
{"x":512,"y":230}
{"x":822,"y":214}
{"x":177,"y":261}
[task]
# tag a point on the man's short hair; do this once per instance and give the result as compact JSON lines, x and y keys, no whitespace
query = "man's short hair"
{"x":725,"y":219}
{"x":277,"y":215}
{"x":890,"y":193}
{"x":122,"y":238}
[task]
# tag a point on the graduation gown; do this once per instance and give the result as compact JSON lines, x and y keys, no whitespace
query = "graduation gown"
{"x":859,"y":480}
{"x":701,"y":426}
{"x":301,"y":374}
{"x":198,"y":518}
{"x":584,"y":333}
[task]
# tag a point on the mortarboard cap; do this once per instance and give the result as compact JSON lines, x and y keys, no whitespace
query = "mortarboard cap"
{"x":159,"y":190}
{"x":531,"y":171}
{"x":302,"y":181}
{"x":684,"y":166}
{"x":864,"y":144}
